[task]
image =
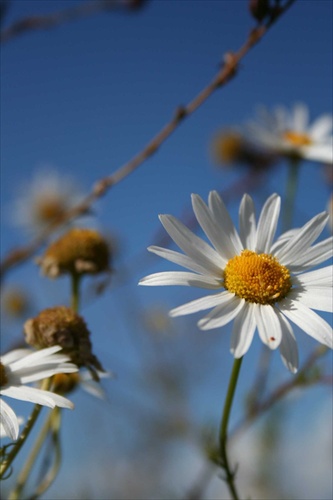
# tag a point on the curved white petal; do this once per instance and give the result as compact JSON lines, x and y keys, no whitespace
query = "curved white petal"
{"x":302,"y":240}
{"x":178,"y":258}
{"x":267,"y":223}
{"x":200,"y":304}
{"x":9,"y":420}
{"x":300,"y":117}
{"x":243,"y":331}
{"x":319,"y":298}
{"x":307,"y":320}
{"x":222,"y":314}
{"x":37,"y":396}
{"x":195,"y":247}
{"x":34,"y":373}
{"x":180,"y":278}
{"x":268,"y":325}
{"x":247,"y":223}
{"x":288,"y":346}
{"x":12,"y":356}
{"x":223,"y":220}
{"x":321,"y":127}
{"x":318,"y":277}
{"x":214,"y":232}
{"x":319,"y":152}
{"x":317,"y":254}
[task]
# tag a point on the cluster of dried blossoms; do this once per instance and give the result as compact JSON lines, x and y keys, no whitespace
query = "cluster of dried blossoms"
{"x":59,"y":335}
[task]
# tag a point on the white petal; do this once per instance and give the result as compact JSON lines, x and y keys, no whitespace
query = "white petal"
{"x":317,"y":254}
{"x":223,"y":220}
{"x":214,"y":232}
{"x":300,"y":117}
{"x":268,"y":325}
{"x":307,"y":320}
{"x":319,"y":152}
{"x":201,"y":304}
{"x":9,"y":420}
{"x":14,"y":355}
{"x":247,"y":223}
{"x":321,"y":127}
{"x":243,"y":331}
{"x":178,"y":258}
{"x":38,"y":373}
{"x":302,"y":240}
{"x":38,"y":396}
{"x":319,"y":298}
{"x":180,"y":278}
{"x":319,"y":277}
{"x":267,"y":224}
{"x":222,"y":314}
{"x":288,"y":346}
{"x":195,"y":247}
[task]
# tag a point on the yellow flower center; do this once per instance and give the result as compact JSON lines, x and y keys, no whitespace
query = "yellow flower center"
{"x":3,"y":376}
{"x":257,"y":278}
{"x":297,"y":138}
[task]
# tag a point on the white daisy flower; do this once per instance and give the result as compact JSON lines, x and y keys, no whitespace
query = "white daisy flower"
{"x":45,"y":198}
{"x":265,"y":285}
{"x":288,"y":133}
{"x":21,"y":367}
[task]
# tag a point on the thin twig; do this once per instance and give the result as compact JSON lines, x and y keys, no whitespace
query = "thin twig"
{"x":43,"y":22}
{"x":224,"y":75}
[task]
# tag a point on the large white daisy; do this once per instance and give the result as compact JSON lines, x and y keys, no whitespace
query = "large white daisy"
{"x":21,"y":367}
{"x":288,"y":133}
{"x":265,"y":285}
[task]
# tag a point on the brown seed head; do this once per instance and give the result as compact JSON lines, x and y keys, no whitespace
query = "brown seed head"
{"x":62,"y":326}
{"x":79,"y":251}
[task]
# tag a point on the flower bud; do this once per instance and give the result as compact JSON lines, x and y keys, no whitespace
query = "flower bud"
{"x":79,"y":251}
{"x":62,"y":326}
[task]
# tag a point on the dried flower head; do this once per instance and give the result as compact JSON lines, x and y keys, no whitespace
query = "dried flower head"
{"x":230,"y":147}
{"x":78,"y":251}
{"x":62,"y":326}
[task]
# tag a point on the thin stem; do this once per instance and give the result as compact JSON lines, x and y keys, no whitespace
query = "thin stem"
{"x":291,"y":189}
{"x":24,"y":435}
{"x":223,"y":437}
{"x":24,"y":474}
{"x":75,"y":300}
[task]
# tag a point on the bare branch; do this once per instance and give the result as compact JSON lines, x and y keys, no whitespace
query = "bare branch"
{"x":34,"y":23}
{"x":227,"y":71}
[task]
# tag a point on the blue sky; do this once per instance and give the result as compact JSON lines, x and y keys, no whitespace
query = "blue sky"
{"x":86,"y":96}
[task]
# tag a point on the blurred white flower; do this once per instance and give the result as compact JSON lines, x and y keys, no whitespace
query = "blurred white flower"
{"x":44,"y":199}
{"x":288,"y":133}
{"x":264,"y":283}
{"x":22,"y":366}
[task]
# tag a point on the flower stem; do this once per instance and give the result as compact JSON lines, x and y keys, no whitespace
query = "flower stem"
{"x":75,"y":300}
{"x":50,"y":424}
{"x":223,"y":436}
{"x":24,"y":435}
{"x":291,"y":189}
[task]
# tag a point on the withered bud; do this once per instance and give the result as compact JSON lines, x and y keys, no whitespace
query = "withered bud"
{"x":79,"y":251}
{"x":62,"y":326}
{"x":63,"y":383}
{"x":260,"y":9}
{"x":228,"y":147}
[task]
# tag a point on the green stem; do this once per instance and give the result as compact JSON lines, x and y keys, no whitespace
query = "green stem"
{"x":223,"y":436}
{"x":24,"y":435}
{"x":24,"y":474}
{"x":75,"y":300}
{"x":291,"y":189}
